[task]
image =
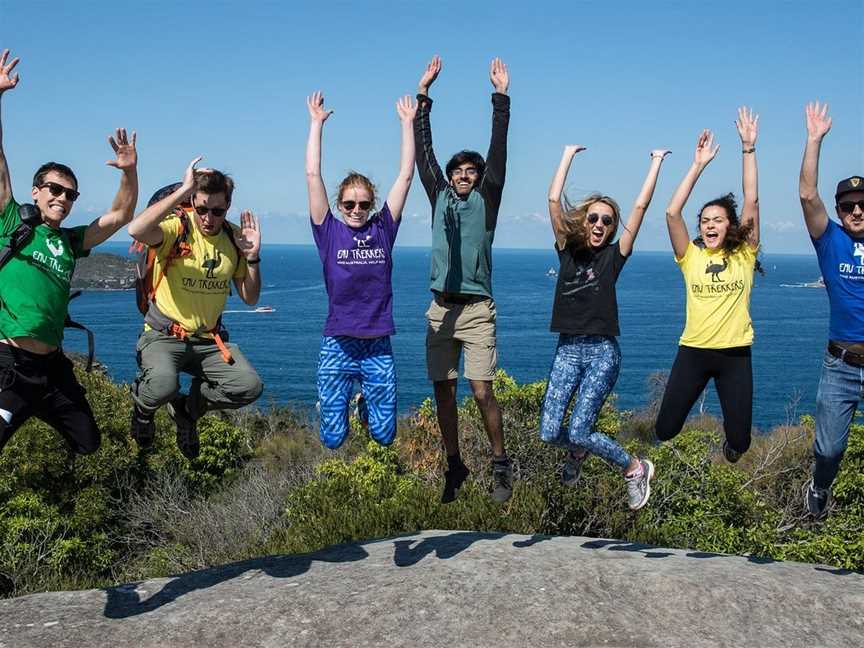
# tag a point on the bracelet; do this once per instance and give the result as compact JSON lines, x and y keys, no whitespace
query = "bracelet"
{"x":752,"y":149}
{"x":253,"y":261}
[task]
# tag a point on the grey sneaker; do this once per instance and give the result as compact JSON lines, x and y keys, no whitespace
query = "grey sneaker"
{"x":571,"y":469}
{"x":816,"y":499}
{"x":187,"y":429}
{"x":639,"y":486}
{"x":502,"y":481}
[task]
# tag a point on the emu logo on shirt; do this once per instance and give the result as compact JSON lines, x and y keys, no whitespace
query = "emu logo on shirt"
{"x":859,"y":252}
{"x":56,"y":249}
{"x":211,"y":264}
{"x":362,"y":243}
{"x":714,"y":269}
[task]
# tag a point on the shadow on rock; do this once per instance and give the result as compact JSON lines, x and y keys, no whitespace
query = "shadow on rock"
{"x":636,"y":547}
{"x":444,"y":546}
{"x":123,"y":601}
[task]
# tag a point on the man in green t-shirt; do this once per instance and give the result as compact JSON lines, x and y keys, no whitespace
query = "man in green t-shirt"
{"x":36,"y":379}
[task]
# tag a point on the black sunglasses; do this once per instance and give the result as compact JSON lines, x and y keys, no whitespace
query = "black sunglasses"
{"x":593,"y":218}
{"x":848,"y":206}
{"x":56,"y":189}
{"x":218,"y":212}
{"x":364,"y":205}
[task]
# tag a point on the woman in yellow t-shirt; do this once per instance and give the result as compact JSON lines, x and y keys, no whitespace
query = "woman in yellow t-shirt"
{"x":718,"y":271}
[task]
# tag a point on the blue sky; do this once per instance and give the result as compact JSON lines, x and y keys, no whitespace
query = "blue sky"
{"x":229,"y":80}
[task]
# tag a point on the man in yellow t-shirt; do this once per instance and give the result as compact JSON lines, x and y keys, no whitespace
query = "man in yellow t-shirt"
{"x":182,"y":328}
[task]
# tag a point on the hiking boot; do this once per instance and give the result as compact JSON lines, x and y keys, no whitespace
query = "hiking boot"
{"x":453,"y":480}
{"x":639,"y":485}
{"x":142,"y":428}
{"x":816,"y":499}
{"x":731,"y":455}
{"x":187,"y":430}
{"x":502,"y":481}
{"x":571,"y":469}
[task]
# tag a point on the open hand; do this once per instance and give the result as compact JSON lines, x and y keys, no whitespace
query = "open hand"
{"x":818,"y":121}
{"x":705,"y":149}
{"x":7,"y":80}
{"x":189,"y":176}
{"x":499,"y":76}
{"x":429,"y":75}
{"x":748,"y":126}
{"x":248,"y":235}
{"x":406,"y":108}
{"x":124,"y":150}
{"x":315,"y":103}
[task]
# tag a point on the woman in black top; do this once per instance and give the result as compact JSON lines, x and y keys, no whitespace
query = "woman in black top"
{"x":585,"y":315}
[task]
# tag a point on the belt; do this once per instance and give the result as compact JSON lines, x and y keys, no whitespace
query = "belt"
{"x":850,"y":358}
{"x":461,"y":299}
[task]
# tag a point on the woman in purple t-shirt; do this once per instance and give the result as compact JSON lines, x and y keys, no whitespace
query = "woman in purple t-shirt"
{"x":356,"y":254}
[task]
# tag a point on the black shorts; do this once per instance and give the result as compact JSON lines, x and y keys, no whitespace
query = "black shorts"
{"x":44,"y":386}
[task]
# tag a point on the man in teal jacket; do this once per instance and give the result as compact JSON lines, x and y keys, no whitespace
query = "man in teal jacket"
{"x":465,"y":202}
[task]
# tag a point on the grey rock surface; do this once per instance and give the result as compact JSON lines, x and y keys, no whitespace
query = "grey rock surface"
{"x":457,"y":588}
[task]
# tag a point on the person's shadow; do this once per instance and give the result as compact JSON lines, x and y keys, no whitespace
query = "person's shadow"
{"x":123,"y":601}
{"x":445,"y":546}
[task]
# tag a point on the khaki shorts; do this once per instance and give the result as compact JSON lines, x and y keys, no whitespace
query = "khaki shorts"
{"x":452,"y":327}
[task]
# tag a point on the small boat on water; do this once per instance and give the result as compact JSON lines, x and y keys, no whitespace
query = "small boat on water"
{"x":551,"y":272}
{"x":819,"y":283}
{"x":264,"y":309}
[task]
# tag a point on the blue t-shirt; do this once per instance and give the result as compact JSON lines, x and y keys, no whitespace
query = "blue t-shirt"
{"x":357,"y":268}
{"x":841,"y":259}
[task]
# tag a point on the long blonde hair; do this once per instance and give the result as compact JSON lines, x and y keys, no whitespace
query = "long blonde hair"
{"x":575,"y":222}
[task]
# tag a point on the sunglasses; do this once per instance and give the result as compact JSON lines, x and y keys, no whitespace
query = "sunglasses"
{"x":593,"y":218}
{"x":56,"y":189}
{"x":848,"y":206}
{"x":218,"y":212}
{"x":364,"y":205}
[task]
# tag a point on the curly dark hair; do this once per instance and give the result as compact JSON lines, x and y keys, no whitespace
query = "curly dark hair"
{"x":470,"y":157}
{"x":736,"y":235}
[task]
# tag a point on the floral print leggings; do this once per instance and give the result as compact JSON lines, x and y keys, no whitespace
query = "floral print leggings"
{"x":588,"y":364}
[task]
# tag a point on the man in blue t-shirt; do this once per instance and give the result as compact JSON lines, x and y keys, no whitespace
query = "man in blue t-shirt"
{"x":840,"y":249}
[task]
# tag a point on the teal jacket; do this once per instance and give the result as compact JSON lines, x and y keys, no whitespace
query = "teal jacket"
{"x":463,"y":228}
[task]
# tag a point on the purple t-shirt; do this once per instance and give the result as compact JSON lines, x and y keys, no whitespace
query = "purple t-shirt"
{"x":357,"y":268}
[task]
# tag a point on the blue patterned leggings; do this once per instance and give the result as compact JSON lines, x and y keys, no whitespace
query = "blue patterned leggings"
{"x":370,"y":361}
{"x":589,"y":364}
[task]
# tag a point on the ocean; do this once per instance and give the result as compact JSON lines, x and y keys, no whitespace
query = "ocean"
{"x":790,"y":322}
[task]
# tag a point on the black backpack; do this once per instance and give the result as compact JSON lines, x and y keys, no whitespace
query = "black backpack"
{"x":30,"y":219}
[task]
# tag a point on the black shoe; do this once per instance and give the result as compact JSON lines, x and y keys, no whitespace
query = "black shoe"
{"x":817,"y":500}
{"x":453,"y":480}
{"x":502,"y":481}
{"x":142,"y":428}
{"x":731,"y":455}
{"x":187,"y":430}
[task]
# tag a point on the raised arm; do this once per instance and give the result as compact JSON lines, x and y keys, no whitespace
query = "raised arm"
{"x":634,"y":221}
{"x":556,"y":189}
{"x":7,"y":82}
{"x":748,"y":128}
{"x":407,"y":110}
{"x":123,"y":207}
{"x":248,"y":239}
{"x":705,"y":152}
{"x":145,"y":228}
{"x":815,"y":214}
{"x":318,"y":204}
{"x":496,"y":158}
{"x":427,"y":166}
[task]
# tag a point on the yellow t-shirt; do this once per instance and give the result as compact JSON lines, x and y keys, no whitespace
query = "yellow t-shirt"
{"x":718,"y":288}
{"x":195,"y":288}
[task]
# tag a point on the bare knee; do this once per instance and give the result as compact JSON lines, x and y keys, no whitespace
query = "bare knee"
{"x":483,"y":393}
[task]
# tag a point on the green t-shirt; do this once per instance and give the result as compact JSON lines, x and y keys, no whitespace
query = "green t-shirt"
{"x":34,"y":283}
